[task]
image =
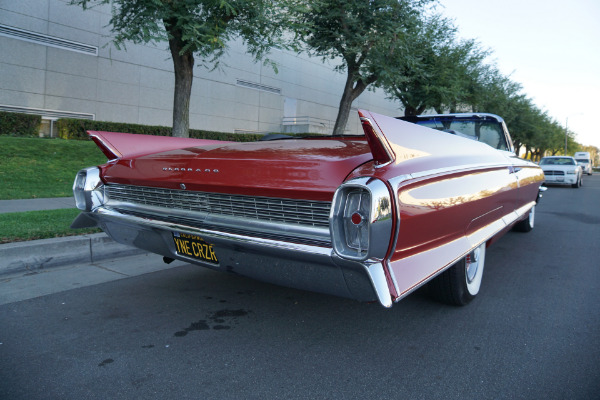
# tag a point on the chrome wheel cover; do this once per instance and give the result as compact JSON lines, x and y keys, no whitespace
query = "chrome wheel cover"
{"x":532,"y":216}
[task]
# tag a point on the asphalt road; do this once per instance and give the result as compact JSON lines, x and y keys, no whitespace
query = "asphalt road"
{"x":189,"y":333}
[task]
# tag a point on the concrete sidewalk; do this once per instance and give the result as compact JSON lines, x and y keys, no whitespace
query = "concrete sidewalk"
{"x":21,"y":205}
{"x":35,"y":255}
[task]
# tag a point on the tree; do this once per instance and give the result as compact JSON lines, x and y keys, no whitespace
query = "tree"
{"x":423,"y":80}
{"x":193,"y":28}
{"x":362,"y":34}
{"x":441,"y":72}
{"x":527,"y":124}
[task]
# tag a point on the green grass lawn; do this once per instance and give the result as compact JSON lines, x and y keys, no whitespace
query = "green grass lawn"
{"x":33,"y":225}
{"x":38,"y":167}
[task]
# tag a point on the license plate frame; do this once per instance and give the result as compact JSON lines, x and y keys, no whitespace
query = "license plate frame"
{"x":195,"y":247}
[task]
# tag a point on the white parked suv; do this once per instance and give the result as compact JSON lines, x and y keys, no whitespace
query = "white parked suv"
{"x":561,"y":170}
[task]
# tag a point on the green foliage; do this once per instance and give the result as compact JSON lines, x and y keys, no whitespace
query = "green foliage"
{"x":32,"y":225}
{"x":39,"y":167}
{"x":367,"y":36}
{"x":441,"y":71}
{"x":204,"y":26}
{"x":77,"y":128}
{"x":15,"y":124}
{"x":201,"y":28}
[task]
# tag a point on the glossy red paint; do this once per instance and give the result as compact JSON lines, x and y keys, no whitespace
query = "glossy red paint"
{"x":309,"y":169}
{"x":451,"y":190}
{"x":418,"y":149}
{"x":120,"y":145}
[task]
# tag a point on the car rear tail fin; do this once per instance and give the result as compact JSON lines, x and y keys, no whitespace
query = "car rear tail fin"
{"x":380,"y":147}
{"x":116,"y":145}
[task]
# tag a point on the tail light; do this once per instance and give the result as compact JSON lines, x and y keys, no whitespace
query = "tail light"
{"x":361,"y":219}
{"x":355,"y":219}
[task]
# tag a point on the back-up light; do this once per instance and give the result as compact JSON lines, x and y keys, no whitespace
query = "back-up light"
{"x":361,"y":219}
{"x":356,"y":227}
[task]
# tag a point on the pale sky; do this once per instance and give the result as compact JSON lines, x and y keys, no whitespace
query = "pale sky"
{"x":551,"y":47}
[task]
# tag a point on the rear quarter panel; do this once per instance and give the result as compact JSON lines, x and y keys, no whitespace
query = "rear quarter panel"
{"x":451,"y":194}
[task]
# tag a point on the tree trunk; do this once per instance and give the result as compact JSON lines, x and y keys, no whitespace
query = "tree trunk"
{"x":184,"y":75}
{"x":351,"y":92}
{"x":410,"y":111}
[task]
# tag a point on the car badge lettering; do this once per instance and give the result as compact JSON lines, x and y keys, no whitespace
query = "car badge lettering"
{"x":205,"y":170}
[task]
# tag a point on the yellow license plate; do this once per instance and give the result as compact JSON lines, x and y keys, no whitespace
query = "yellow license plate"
{"x":195,"y":247}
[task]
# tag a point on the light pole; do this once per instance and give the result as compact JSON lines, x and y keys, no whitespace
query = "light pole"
{"x":566,"y":134}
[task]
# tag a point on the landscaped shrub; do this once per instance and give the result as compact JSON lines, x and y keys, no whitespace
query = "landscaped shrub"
{"x":14,"y":124}
{"x":77,"y":128}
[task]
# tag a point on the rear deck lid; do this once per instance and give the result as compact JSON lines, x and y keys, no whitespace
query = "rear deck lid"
{"x":297,"y":168}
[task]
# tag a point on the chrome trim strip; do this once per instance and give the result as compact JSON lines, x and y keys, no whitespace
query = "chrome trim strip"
{"x":207,"y":221}
{"x":380,"y":221}
{"x":377,"y":275}
{"x":396,"y":181}
{"x":168,"y":226}
{"x":456,"y":169}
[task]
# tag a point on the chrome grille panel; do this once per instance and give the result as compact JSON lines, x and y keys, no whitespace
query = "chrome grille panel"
{"x":300,"y":212}
{"x":553,"y":173}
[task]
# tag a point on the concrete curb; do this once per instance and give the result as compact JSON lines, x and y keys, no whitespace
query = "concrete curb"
{"x":45,"y":253}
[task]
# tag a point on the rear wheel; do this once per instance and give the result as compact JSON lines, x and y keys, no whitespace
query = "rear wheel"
{"x":459,"y":284}
{"x":528,"y":223}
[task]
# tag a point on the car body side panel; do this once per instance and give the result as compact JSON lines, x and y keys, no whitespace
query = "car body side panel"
{"x":530,"y":178}
{"x":442,"y":218}
{"x":452,"y":195}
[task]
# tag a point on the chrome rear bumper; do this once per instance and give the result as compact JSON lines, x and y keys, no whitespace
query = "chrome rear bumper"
{"x":298,"y":265}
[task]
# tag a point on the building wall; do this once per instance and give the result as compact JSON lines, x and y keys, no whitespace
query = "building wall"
{"x":136,"y":85}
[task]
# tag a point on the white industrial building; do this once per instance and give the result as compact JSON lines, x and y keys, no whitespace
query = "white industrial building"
{"x":57,"y":60}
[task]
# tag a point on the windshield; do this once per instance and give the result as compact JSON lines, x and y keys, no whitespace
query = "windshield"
{"x":557,"y":161}
{"x":486,"y":131}
{"x":583,"y":162}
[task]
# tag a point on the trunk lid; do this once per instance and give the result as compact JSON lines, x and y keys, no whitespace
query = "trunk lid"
{"x":310,"y":169}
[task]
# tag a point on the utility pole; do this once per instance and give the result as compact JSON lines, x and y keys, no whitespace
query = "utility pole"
{"x":566,"y":134}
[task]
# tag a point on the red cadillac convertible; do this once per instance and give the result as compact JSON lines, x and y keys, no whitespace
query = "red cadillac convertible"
{"x":373,"y":217}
